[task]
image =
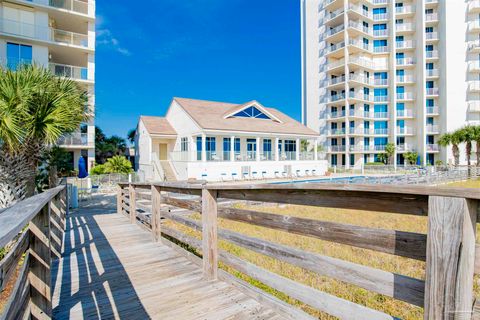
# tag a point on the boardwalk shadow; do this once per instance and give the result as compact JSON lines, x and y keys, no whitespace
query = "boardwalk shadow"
{"x":90,"y":276}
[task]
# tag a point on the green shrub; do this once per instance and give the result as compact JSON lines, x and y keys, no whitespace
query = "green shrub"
{"x":375,"y":164}
{"x":98,"y":169}
{"x":118,"y":164}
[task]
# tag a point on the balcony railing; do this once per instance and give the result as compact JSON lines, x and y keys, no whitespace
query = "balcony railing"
{"x":432,"y":110}
{"x":380,"y":33}
{"x":432,"y":91}
{"x":474,"y":5}
{"x":359,"y":26}
{"x":361,"y":96}
{"x":380,"y":49}
{"x":432,"y":147}
{"x":381,"y":131}
{"x":335,"y":64}
{"x":360,"y":44}
{"x":405,"y":113}
{"x":360,"y":10}
{"x":474,"y":25}
{"x":334,"y":14}
{"x":431,"y":35}
{"x":75,"y":139}
{"x":336,"y":97}
{"x":405,"y":130}
{"x":82,"y":7}
{"x":474,"y":106}
{"x":334,"y":132}
{"x":43,"y":33}
{"x":405,"y":96}
{"x":336,"y":80}
{"x":405,"y":44}
{"x":335,"y":30}
{"x":432,"y":128}
{"x":474,"y":45}
{"x":431,"y":17}
{"x":404,"y":147}
{"x":432,"y":72}
{"x":405,"y":61}
{"x":361,"y":78}
{"x":380,"y":98}
{"x":380,"y":1}
{"x":404,"y":27}
{"x":380,"y":16}
{"x":473,"y":65}
{"x":73,"y":72}
{"x":405,"y":10}
{"x":336,"y":148}
{"x":338,"y":114}
{"x":405,"y":79}
{"x":474,"y":85}
{"x":431,"y":54}
{"x":336,"y":47}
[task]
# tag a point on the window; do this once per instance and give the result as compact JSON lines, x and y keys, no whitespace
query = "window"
{"x":267,"y":149}
{"x":399,"y":38}
{"x":380,"y":141}
{"x":379,"y":10}
{"x":352,"y":141}
{"x":380,"y":108}
{"x":381,"y":26}
{"x":352,"y":159}
{"x":380,"y":92}
{"x":334,"y":160}
{"x":429,"y":47}
{"x":400,"y":89}
{"x":226,"y":149}
{"x":184,"y":144}
{"x":379,"y":43}
{"x":430,"y":159}
{"x":398,"y":4}
{"x":210,"y":147}
{"x":429,"y":66}
{"x":428,"y":29}
{"x":18,"y":54}
{"x":430,"y":139}
{"x":400,"y":106}
{"x":430,"y":103}
{"x":251,"y":112}
{"x":429,"y":84}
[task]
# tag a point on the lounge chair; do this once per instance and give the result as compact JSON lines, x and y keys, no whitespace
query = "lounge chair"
{"x":223,"y":176}
{"x":234,"y":174}
{"x":297,"y":172}
{"x":276,"y":173}
{"x":307,"y":172}
{"x":264,"y":173}
{"x":254,"y":175}
{"x":314,"y":172}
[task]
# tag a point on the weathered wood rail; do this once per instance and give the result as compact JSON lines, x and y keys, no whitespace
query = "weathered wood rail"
{"x":36,"y":225}
{"x":448,"y":249}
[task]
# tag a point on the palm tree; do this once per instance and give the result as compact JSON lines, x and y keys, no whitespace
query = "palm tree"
{"x":131,"y":135}
{"x":118,"y":164}
{"x":476,"y":137}
{"x":467,"y":135}
{"x":36,"y":109}
{"x":453,"y":139}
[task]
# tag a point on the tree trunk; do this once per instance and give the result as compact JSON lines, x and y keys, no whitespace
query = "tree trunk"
{"x":52,"y":176}
{"x":478,"y":153}
{"x":14,"y":174}
{"x":468,"y":150}
{"x":456,"y":155}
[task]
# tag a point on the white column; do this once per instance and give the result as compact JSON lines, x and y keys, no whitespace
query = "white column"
{"x":276,"y":151}
{"x":204,"y":148}
{"x":232,"y":148}
{"x":257,"y":153}
{"x":315,"y":151}
{"x":297,"y":149}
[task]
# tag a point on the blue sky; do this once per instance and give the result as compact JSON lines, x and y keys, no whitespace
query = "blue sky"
{"x":225,"y":50}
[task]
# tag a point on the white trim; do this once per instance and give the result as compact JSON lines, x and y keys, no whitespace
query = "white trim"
{"x":258,"y":106}
{"x":268,"y":134}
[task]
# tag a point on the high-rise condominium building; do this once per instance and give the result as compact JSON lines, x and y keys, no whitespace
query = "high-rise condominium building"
{"x":59,"y":35}
{"x":385,"y":71}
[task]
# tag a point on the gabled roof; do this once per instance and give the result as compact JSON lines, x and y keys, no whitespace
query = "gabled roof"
{"x":158,"y":125}
{"x":213,"y":115}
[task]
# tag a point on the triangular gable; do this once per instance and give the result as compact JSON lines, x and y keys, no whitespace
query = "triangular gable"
{"x":251,"y":109}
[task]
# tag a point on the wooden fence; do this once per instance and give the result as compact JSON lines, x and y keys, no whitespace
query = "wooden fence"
{"x":448,"y":249}
{"x":35,"y":227}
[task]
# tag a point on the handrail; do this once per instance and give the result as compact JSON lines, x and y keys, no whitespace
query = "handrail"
{"x":448,"y":248}
{"x":158,"y":166}
{"x":45,"y":216}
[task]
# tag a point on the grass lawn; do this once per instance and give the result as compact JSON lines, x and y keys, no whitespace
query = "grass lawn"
{"x":405,"y":266}
{"x":466,"y":184}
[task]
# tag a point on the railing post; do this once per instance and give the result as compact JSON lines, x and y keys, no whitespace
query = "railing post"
{"x":156,"y":213}
{"x":119,"y":199}
{"x":209,"y":234}
{"x":132,"y":204}
{"x":450,"y":258}
{"x":39,"y":265}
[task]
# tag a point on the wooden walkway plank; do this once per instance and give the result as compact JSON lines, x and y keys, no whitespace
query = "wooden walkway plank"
{"x":111,"y":268}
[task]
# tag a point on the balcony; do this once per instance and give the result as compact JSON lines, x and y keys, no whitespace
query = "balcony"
{"x":360,"y":78}
{"x":432,"y":147}
{"x":407,"y":44}
{"x":336,"y":80}
{"x":404,"y":27}
{"x":474,"y":66}
{"x":382,"y":131}
{"x":431,"y":36}
{"x":336,"y":115}
{"x":474,"y":46}
{"x":380,"y":16}
{"x":336,"y":148}
{"x":357,"y":25}
{"x":335,"y":47}
{"x":432,"y":129}
{"x":432,"y":91}
{"x":405,"y":131}
{"x":431,"y":1}
{"x":405,"y":96}
{"x":336,"y":132}
{"x":431,"y":54}
{"x":335,"y":64}
{"x":82,"y":7}
{"x":404,"y":10}
{"x":474,"y":106}
{"x":431,"y":111}
{"x":361,"y":96}
{"x":405,"y":113}
{"x":474,"y":6}
{"x":360,"y":11}
{"x":378,"y":2}
{"x":431,"y":17}
{"x":360,"y":44}
{"x":380,"y":33}
{"x":474,"y":86}
{"x":405,"y":61}
{"x":405,"y":147}
{"x":336,"y":97}
{"x":332,"y":15}
{"x":334,"y":31}
{"x":43,"y":33}
{"x":474,"y":26}
{"x":405,"y":79}
{"x":381,"y":82}
{"x":76,"y":139}
{"x":383,"y":49}
{"x":432,"y":73}
{"x":380,"y":115}
{"x":380,"y":98}
{"x":72,"y":72}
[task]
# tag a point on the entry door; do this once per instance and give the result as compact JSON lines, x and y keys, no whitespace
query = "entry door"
{"x":251,"y":149}
{"x":162,"y":151}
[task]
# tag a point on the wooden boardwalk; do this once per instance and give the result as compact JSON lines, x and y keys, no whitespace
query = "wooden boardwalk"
{"x":111,"y":269}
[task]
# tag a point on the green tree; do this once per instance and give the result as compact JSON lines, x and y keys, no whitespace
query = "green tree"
{"x":107,"y":147}
{"x":476,"y":136}
{"x":304,"y":145}
{"x":118,"y":164}
{"x":389,"y":152}
{"x":453,"y":139}
{"x":467,"y":135}
{"x":411,"y":157}
{"x":36,"y":109}
{"x":131,"y":135}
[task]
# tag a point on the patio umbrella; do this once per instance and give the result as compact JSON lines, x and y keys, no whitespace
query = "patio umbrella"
{"x":82,"y":168}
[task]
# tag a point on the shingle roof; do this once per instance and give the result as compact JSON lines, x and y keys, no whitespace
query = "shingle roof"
{"x":211,"y":115}
{"x":158,"y":125}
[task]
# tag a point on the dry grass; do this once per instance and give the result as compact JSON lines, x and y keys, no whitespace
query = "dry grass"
{"x":466,"y":184}
{"x":370,"y":258}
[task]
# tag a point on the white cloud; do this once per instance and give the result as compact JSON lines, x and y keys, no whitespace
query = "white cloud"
{"x":105,"y":38}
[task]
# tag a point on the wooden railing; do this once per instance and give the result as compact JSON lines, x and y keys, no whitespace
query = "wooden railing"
{"x":448,"y":248}
{"x":33,"y":231}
